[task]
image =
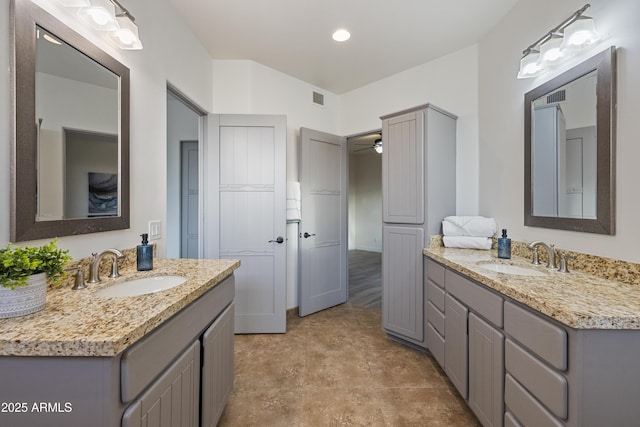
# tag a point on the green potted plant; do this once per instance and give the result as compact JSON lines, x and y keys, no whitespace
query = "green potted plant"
{"x":24,"y":273}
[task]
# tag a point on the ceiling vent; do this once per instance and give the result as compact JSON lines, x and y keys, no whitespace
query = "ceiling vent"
{"x":557,"y":96}
{"x":318,"y":98}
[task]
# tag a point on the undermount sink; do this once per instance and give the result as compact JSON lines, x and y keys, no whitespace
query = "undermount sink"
{"x":510,"y":269}
{"x":145,"y":285}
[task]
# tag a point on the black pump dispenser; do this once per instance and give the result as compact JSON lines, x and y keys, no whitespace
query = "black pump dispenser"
{"x":504,"y":245}
{"x":144,"y":254}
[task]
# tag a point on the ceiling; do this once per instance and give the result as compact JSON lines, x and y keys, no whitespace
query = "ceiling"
{"x":294,"y":36}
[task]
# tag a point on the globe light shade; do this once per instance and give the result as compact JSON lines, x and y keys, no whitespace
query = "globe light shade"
{"x":550,"y":51}
{"x":579,"y":34}
{"x":529,"y":65}
{"x":126,"y":36}
{"x":101,"y":15}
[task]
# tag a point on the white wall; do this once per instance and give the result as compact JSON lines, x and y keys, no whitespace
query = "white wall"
{"x":451,"y":83}
{"x":501,"y":118}
{"x":365,"y":201}
{"x":171,"y":53}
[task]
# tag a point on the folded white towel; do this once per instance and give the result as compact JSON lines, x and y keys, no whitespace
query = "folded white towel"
{"x":474,"y":226}
{"x":294,"y":211}
{"x":467,"y":242}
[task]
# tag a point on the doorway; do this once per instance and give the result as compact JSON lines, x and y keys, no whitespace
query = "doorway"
{"x":184,"y":139}
{"x":365,"y":220}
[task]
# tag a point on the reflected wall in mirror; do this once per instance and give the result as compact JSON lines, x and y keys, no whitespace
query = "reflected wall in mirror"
{"x":570,"y":149}
{"x":71,"y":156}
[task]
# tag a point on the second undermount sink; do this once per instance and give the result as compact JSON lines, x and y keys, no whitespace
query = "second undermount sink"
{"x":510,"y":269}
{"x":145,"y":285}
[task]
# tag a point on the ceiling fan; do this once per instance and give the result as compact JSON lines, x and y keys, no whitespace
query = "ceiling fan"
{"x":366,"y":140}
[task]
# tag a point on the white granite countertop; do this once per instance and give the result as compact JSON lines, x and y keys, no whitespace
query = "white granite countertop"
{"x":81,"y":323}
{"x":576,"y":299}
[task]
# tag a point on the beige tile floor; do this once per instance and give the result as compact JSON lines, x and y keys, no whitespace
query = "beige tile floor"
{"x":337,"y":368}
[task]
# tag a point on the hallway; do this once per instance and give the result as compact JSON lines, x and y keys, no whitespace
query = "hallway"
{"x":337,"y":368}
{"x":365,"y":279}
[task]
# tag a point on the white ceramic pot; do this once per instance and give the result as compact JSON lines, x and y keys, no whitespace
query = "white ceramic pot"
{"x":24,"y":300}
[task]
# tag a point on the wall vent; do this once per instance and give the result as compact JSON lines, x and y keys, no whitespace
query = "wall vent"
{"x":557,"y":96}
{"x":318,"y":98}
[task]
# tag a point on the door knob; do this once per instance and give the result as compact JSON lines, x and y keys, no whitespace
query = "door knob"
{"x":307,"y":235}
{"x":279,"y":239}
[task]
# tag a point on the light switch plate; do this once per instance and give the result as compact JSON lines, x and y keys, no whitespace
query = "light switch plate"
{"x":155,"y":230}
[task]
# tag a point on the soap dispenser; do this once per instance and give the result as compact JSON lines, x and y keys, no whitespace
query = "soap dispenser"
{"x":504,"y":245}
{"x":144,"y":254}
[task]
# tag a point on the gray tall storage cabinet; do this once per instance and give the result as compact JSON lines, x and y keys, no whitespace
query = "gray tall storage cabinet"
{"x":418,"y":191}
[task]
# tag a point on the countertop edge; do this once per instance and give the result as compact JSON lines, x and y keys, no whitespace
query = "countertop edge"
{"x":583,"y":319}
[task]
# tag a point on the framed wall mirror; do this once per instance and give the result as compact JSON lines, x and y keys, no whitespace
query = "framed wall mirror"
{"x":71,"y":138}
{"x":570,"y":149}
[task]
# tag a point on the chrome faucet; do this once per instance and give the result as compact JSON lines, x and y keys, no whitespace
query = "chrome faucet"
{"x":94,"y":267}
{"x":551,"y":255}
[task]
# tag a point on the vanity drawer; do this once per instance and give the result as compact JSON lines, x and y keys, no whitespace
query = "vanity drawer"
{"x":482,"y":301}
{"x":435,"y":295}
{"x":525,"y":407}
{"x":436,"y":344}
{"x":435,"y":272}
{"x":543,"y":382}
{"x":537,"y":334}
{"x":435,"y":317}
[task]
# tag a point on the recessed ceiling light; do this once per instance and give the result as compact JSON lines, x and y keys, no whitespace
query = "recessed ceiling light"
{"x":341,"y":35}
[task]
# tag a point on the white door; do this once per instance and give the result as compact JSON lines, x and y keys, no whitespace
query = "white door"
{"x":245,"y":218}
{"x":189,"y":199}
{"x":323,"y":229}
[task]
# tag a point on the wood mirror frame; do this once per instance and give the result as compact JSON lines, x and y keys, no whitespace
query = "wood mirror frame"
{"x":604,"y":223}
{"x":24,"y":227}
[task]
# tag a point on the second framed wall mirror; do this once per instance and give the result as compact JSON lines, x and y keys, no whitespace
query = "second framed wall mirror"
{"x":570,"y":149}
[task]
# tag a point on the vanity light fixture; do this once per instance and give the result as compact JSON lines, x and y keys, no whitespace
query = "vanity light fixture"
{"x":109,"y":16}
{"x":572,"y":35}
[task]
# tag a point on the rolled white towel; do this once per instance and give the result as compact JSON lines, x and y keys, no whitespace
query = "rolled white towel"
{"x":474,"y":226}
{"x":467,"y":242}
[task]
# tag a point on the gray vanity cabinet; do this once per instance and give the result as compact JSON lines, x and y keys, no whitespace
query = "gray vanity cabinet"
{"x":217,"y":367}
{"x":418,"y":191}
{"x":517,"y":367}
{"x":173,"y":399}
{"x":183,"y":369}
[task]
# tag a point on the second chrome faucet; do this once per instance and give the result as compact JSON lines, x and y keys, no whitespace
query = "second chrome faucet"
{"x":551,"y":255}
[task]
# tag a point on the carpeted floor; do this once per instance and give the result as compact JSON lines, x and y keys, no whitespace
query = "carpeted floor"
{"x":337,"y":368}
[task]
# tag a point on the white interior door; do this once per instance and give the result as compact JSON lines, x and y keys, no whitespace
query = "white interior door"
{"x":323,"y":229}
{"x":245,"y":166}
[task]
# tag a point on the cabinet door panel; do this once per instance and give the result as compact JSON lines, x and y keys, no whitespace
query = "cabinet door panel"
{"x":403,"y":288}
{"x":403,"y":169}
{"x":172,"y":401}
{"x":217,"y":366}
{"x":456,"y":344}
{"x":486,"y":370}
